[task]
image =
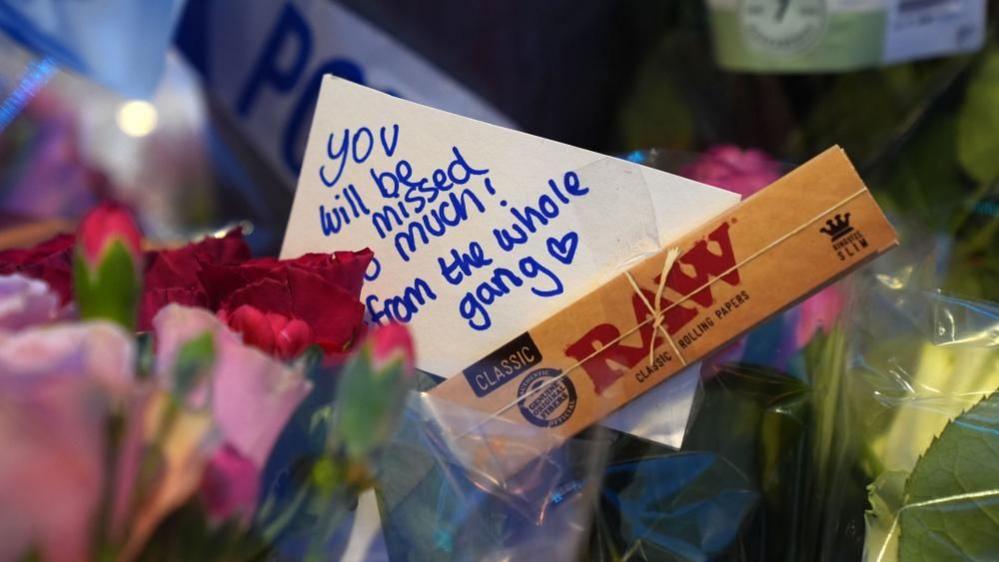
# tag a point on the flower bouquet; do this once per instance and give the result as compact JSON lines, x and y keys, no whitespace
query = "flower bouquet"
{"x":186,"y":403}
{"x":194,"y":403}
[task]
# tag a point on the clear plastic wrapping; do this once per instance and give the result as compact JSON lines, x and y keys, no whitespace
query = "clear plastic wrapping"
{"x":438,"y":503}
{"x":865,"y":414}
{"x":923,"y":384}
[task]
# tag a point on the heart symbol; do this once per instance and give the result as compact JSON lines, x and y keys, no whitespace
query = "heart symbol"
{"x":564,"y":249}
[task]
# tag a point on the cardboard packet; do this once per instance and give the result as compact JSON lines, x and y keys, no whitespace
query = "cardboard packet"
{"x":802,"y":232}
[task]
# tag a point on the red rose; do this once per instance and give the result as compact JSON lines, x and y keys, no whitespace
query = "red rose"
{"x":320,"y":290}
{"x":278,"y":335}
{"x":51,"y":261}
{"x":172,"y":275}
{"x":279,"y":306}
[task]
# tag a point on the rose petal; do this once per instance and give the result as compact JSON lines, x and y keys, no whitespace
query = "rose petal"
{"x":230,"y":485}
{"x":25,"y":302}
{"x":172,"y":275}
{"x":254,"y":326}
{"x":98,"y":351}
{"x":52,"y":426}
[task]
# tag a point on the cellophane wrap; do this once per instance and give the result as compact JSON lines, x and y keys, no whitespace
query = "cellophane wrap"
{"x":875,"y":438}
{"x":858,"y":424}
{"x":439,"y":503}
{"x":923,"y":413}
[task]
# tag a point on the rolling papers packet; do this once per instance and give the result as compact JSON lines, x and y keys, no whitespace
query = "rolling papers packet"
{"x":802,"y":232}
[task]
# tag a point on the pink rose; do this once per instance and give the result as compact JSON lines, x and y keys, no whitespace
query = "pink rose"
{"x":252,"y":394}
{"x":54,"y":384}
{"x":729,"y":167}
{"x":25,"y":302}
{"x":392,"y":342}
{"x":98,"y":352}
{"x":51,"y":471}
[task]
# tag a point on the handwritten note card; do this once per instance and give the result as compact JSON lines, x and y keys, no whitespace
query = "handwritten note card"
{"x":479,"y":232}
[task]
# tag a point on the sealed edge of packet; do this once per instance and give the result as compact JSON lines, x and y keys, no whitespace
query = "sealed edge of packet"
{"x":802,"y":232}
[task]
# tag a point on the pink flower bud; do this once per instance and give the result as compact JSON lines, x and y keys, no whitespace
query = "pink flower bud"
{"x":107,"y":267}
{"x":729,"y":167}
{"x":229,"y":487}
{"x":389,"y":343}
{"x":104,"y":225}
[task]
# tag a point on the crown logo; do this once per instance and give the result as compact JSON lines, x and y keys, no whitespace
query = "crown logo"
{"x":837,"y":227}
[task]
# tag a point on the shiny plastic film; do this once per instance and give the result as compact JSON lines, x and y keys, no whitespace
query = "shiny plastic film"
{"x":858,"y":424}
{"x":459,"y":485}
{"x":922,"y":394}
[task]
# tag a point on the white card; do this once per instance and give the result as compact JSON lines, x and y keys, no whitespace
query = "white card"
{"x":479,"y":232}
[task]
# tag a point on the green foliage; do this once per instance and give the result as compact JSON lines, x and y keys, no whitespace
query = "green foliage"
{"x":187,"y":534}
{"x":330,"y":451}
{"x":952,"y":496}
{"x":978,"y":121}
{"x":885,"y":496}
{"x":674,"y":98}
{"x":924,"y":180}
{"x":31,"y":556}
{"x":860,"y":111}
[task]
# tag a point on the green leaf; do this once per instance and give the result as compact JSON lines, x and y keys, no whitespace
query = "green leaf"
{"x":978,"y":123}
{"x":952,"y":496}
{"x":860,"y":111}
{"x":924,"y":180}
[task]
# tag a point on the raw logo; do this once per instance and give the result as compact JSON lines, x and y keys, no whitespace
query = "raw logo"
{"x":615,"y":361}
